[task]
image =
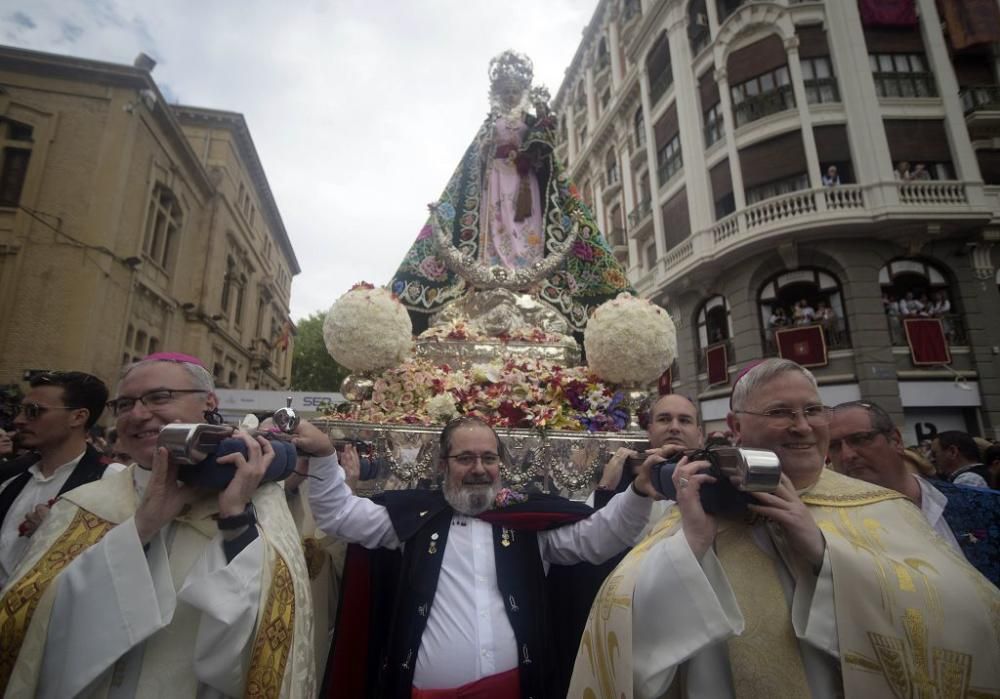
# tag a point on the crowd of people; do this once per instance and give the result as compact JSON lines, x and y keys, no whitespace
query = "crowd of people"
{"x":118,"y":579}
{"x":800,"y":314}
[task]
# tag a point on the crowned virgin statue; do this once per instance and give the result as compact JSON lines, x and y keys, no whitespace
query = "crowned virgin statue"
{"x":510,"y":218}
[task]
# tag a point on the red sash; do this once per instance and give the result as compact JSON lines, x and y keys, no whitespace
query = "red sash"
{"x":506,"y":685}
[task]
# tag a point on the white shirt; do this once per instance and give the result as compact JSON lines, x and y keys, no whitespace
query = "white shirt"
{"x":37,"y":491}
{"x":967,"y":477}
{"x":468,"y":635}
{"x":932,"y":504}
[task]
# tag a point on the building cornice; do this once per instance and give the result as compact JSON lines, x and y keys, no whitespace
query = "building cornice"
{"x":236,"y":124}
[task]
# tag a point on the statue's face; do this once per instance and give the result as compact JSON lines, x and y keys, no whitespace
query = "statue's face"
{"x":508,"y":92}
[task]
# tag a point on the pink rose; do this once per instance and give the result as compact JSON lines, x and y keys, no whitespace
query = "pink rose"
{"x":432,"y":268}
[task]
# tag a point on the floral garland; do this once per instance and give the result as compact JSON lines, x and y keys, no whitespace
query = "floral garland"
{"x":462,"y":331}
{"x":367,"y":329}
{"x":527,"y":393}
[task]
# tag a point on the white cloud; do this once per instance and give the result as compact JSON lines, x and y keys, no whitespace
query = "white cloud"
{"x":360,"y":109}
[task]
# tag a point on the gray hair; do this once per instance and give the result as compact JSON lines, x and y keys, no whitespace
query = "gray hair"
{"x":199,"y":374}
{"x":879,"y":419}
{"x":760,"y":375}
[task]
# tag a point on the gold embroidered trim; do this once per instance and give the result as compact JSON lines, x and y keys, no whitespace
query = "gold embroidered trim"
{"x":274,"y":637}
{"x":835,"y":490}
{"x":18,"y":605}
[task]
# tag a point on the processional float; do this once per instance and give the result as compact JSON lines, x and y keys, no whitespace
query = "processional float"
{"x":504,"y":331}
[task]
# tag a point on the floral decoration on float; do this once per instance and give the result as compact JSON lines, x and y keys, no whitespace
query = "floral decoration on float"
{"x":515,"y":393}
{"x":367,"y":330}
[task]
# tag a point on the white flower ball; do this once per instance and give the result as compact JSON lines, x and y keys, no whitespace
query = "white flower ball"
{"x":367,"y":329}
{"x":629,"y":340}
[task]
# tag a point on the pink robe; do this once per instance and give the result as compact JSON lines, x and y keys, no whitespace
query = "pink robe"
{"x":503,"y":241}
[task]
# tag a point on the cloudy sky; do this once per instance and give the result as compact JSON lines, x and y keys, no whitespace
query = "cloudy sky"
{"x":360,"y":109}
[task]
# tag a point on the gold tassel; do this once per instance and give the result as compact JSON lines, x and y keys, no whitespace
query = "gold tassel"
{"x":522,"y":208}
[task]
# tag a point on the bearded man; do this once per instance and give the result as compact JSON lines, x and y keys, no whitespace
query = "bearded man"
{"x":470,"y":616}
{"x":827,"y":587}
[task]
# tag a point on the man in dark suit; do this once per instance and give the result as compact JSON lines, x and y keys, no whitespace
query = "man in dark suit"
{"x":52,"y":421}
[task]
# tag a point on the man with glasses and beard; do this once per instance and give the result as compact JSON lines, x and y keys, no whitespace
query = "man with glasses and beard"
{"x":138,"y":585}
{"x":469,"y":616}
{"x":52,"y":421}
{"x":826,"y":587}
{"x":865,"y":444}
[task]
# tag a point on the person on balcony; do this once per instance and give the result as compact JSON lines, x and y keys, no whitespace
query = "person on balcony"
{"x":903,"y":171}
{"x":920,"y":172}
{"x":828,"y":320}
{"x":804,"y":313}
{"x":831,"y":178}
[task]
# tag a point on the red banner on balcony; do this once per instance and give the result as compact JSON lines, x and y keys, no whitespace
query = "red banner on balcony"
{"x":927,"y":341}
{"x":805,"y":345}
{"x":717,"y":364}
{"x":971,"y":22}
{"x":888,"y":13}
{"x":666,"y":383}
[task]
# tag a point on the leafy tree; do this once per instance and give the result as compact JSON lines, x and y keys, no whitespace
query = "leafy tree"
{"x":313,"y":369}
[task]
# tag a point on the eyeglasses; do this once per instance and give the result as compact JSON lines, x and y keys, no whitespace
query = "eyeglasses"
{"x":33,"y":411}
{"x":469,"y":459}
{"x":815,"y":415}
{"x":856,"y":440}
{"x":152,"y":399}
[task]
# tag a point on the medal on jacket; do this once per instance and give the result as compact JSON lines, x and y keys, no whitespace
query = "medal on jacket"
{"x":506,"y":537}
{"x":432,"y":549}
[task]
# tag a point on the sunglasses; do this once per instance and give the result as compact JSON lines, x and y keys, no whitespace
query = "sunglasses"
{"x":33,"y":411}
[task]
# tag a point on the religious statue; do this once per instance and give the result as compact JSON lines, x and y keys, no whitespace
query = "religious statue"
{"x":509,"y":218}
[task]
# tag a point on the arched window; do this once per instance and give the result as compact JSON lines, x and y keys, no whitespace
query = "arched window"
{"x":698,"y":33}
{"x":639,"y":127}
{"x":661,"y":74}
{"x":714,"y":324}
{"x":799,"y":298}
{"x":913,"y":288}
{"x":611,"y":168}
{"x":714,"y":327}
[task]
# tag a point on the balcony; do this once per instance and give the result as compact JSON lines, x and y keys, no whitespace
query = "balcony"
{"x":760,"y":106}
{"x":947,"y":206}
{"x":639,"y":214}
{"x":983,"y":97}
{"x":952,"y":323}
{"x":981,"y":105}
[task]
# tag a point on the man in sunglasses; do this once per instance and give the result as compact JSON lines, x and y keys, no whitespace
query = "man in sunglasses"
{"x":52,"y":421}
{"x":138,"y":585}
{"x":828,"y":586}
{"x":866,"y":444}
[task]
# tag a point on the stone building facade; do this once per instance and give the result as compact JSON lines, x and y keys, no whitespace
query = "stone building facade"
{"x":129,"y":225}
{"x":700,"y":132}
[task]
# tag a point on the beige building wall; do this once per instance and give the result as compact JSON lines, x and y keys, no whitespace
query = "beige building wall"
{"x":139,"y":226}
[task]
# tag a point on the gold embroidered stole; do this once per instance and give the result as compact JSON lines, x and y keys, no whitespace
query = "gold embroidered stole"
{"x":765,"y":659}
{"x":282,"y":663}
{"x":914,"y":619}
{"x":21,"y":599}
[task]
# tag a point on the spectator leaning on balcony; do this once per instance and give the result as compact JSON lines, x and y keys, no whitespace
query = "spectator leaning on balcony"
{"x":831,"y":178}
{"x":920,"y":172}
{"x":804,"y":313}
{"x":903,"y":171}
